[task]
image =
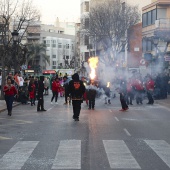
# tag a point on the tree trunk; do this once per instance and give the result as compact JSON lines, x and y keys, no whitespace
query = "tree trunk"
{"x":17,"y":67}
{"x":3,"y":80}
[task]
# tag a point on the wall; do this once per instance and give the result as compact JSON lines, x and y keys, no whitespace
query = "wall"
{"x":135,"y":46}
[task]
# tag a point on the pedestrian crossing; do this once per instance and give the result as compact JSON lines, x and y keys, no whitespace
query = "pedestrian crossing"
{"x":69,"y":155}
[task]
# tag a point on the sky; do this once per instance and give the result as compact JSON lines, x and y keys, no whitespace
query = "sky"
{"x":68,"y":10}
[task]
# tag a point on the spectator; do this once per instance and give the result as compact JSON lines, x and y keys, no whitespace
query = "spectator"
{"x":46,"y":85}
{"x":10,"y":91}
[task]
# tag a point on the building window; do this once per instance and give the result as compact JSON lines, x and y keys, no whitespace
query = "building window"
{"x":54,"y":63}
{"x":86,"y":23}
{"x":67,"y":46}
{"x":54,"y":67}
{"x":86,"y":56}
{"x":54,"y":56}
{"x":161,"y":13}
{"x":48,"y":43}
{"x":67,"y":57}
{"x":149,"y":18}
{"x":144,"y":20}
{"x":53,"y":43}
{"x":86,"y":6}
{"x":86,"y":40}
{"x":143,"y":45}
{"x":147,"y":45}
{"x":59,"y":45}
{"x":153,"y":16}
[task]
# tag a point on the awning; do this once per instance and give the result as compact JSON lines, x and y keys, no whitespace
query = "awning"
{"x":49,"y":72}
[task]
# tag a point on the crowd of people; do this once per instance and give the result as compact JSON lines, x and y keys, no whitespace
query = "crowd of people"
{"x":136,"y":88}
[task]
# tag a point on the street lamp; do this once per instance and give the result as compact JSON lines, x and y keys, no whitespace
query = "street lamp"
{"x":155,"y":41}
{"x":15,"y":36}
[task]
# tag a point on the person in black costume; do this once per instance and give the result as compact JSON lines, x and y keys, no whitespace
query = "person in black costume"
{"x":40,"y":106}
{"x":76,"y":88}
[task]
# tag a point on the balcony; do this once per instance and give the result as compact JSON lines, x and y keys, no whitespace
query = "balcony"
{"x":162,"y":29}
{"x":33,"y":37}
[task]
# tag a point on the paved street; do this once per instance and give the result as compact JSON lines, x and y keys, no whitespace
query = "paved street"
{"x":104,"y":138}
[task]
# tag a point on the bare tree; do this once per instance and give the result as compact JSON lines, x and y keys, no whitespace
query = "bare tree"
{"x":109,"y":22}
{"x":14,"y":15}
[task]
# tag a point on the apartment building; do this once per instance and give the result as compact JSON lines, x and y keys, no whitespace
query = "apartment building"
{"x":60,"y":49}
{"x":156,"y":31}
{"x":59,"y":46}
{"x":77,"y":45}
{"x":84,"y":39}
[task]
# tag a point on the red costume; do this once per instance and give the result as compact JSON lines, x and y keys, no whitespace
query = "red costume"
{"x":32,"y":92}
{"x":56,"y":86}
{"x":150,"y":85}
{"x":10,"y":92}
{"x":138,"y":85}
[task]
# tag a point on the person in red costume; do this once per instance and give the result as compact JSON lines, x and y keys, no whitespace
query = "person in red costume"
{"x":55,"y":89}
{"x":138,"y":85}
{"x":150,"y":88}
{"x":31,"y":89}
{"x":10,"y":91}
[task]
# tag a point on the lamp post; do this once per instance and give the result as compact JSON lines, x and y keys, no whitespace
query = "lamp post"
{"x":15,"y":36}
{"x":15,"y":42}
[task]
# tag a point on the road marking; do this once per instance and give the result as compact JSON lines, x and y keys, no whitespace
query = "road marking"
{"x":117,"y":119}
{"x":161,"y":148}
{"x":127,"y":133}
{"x":119,"y":155}
{"x":50,"y":109}
{"x":110,"y":111}
{"x":23,"y":121}
{"x":4,"y":138}
{"x":17,"y":155}
{"x":68,"y":155}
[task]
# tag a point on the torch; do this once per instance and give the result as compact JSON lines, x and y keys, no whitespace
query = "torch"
{"x":93,"y":61}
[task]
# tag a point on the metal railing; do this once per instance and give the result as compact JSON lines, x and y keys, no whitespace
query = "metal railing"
{"x":162,"y":24}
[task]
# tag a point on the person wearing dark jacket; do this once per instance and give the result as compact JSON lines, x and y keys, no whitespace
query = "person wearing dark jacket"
{"x":40,"y":94}
{"x":66,"y":83}
{"x":122,"y":90}
{"x":91,"y":95}
{"x":76,"y":88}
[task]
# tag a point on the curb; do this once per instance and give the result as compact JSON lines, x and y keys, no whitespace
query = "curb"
{"x":3,"y":109}
{"x":163,"y":103}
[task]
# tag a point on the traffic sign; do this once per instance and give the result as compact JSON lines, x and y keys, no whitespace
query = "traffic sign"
{"x":24,"y":67}
{"x":167,"y":58}
{"x":142,"y":61}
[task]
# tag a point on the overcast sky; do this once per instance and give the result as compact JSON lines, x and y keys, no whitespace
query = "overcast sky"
{"x":64,"y":9}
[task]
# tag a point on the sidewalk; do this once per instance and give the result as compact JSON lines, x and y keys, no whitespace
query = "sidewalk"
{"x":3,"y":105}
{"x":164,"y":102}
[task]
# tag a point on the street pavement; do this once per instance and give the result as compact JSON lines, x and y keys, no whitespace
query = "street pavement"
{"x":103,"y":139}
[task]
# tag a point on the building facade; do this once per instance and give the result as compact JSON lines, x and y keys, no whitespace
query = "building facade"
{"x":60,"y":47}
{"x":84,"y":39}
{"x":61,"y":50}
{"x":156,"y":34}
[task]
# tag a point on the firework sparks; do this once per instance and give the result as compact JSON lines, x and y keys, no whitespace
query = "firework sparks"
{"x":93,"y":61}
{"x":108,"y":84}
